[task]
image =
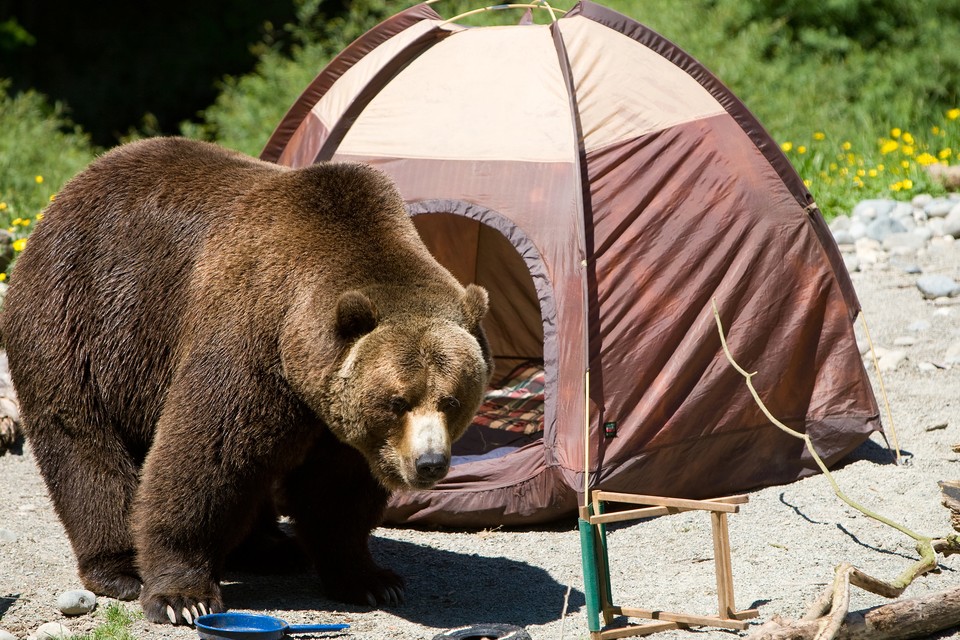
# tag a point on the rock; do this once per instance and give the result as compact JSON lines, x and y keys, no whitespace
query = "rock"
{"x":948,"y":176}
{"x":938,"y":207}
{"x":951,"y":224}
{"x":880,"y":228}
{"x":7,"y":536}
{"x":840,"y":223}
{"x":872,"y":209}
{"x":903,"y":243}
{"x":936,"y":427}
{"x":891,"y":360}
{"x":921,"y":200}
{"x":51,"y":630}
{"x":937,"y":286}
{"x":905,"y":341}
{"x":843,"y":236}
{"x":927,"y":367}
{"x":953,"y":354}
{"x":852,"y":262}
{"x":76,"y":602}
{"x":918,"y":326}
{"x":943,"y":312}
{"x":6,"y":635}
{"x":857,"y":229}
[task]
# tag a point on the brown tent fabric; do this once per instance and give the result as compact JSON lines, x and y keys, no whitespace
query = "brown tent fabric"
{"x":605,"y":188}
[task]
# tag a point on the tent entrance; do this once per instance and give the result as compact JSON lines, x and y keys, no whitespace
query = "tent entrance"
{"x":474,"y":251}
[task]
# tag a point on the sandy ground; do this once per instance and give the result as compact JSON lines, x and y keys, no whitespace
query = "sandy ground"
{"x":785,"y":542}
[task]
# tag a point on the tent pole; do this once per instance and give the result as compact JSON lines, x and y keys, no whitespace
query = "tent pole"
{"x":499,"y":7}
{"x":586,"y":438}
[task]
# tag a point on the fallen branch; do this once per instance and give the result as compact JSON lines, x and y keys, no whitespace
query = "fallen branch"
{"x":900,"y":620}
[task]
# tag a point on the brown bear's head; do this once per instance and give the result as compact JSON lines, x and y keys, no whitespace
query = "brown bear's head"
{"x":407,"y":385}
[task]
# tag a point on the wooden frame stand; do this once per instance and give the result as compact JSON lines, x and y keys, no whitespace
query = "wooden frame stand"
{"x":596,"y":574}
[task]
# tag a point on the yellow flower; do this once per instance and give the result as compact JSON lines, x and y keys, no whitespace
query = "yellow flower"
{"x":19,"y":245}
{"x":801,"y":149}
{"x":3,"y":276}
{"x":905,"y":164}
{"x":889,"y":146}
{"x":819,"y":135}
{"x":925,"y":158}
{"x":872,"y":173}
{"x":16,"y":221}
{"x":945,"y":153}
{"x":53,"y":197}
{"x":786,"y":146}
{"x":896,"y":186}
{"x":935,"y":130}
{"x":907,"y":150}
{"x":846,"y":145}
{"x":880,"y":167}
{"x":953,"y":114}
{"x":907,"y":138}
{"x":25,"y":222}
{"x":807,"y":183}
{"x":38,"y":179}
{"x":39,"y":217}
{"x":861,"y":173}
{"x":895,"y":132}
{"x":907,"y":183}
{"x":3,"y":206}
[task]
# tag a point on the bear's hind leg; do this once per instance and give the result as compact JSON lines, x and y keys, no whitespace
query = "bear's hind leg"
{"x":335,"y":503}
{"x":91,"y":481}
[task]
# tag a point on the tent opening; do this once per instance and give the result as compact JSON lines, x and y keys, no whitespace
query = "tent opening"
{"x":512,"y":414}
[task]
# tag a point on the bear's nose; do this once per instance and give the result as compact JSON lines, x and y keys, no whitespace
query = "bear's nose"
{"x":432,"y":466}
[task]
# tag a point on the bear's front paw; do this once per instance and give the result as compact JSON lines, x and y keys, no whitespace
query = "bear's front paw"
{"x":176,"y":609}
{"x":374,"y":587}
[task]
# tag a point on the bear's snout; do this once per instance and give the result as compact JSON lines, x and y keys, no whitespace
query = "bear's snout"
{"x":431,"y":467}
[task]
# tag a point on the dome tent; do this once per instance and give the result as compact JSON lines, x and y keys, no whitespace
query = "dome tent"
{"x":605,"y":188}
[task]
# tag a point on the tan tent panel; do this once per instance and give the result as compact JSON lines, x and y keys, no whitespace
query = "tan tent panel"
{"x":605,"y":188}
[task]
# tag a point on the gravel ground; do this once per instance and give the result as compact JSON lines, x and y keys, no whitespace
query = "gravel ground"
{"x":785,"y":542}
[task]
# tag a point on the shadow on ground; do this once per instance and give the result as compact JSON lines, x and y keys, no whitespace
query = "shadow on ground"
{"x":444,"y":589}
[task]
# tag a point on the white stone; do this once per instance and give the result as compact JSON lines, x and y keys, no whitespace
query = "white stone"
{"x":921,"y":200}
{"x":925,"y":233}
{"x":858,"y":230}
{"x":945,"y":311}
{"x":891,"y":360}
{"x":953,"y":354}
{"x":936,"y":285}
{"x":51,"y":631}
{"x":938,"y":208}
{"x":6,"y":635}
{"x":918,"y":326}
{"x":905,"y":341}
{"x":903,"y":243}
{"x":841,"y":222}
{"x":927,"y":367}
{"x":76,"y":602}
{"x":7,"y":536}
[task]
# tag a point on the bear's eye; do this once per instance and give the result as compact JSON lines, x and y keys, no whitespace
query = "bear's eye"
{"x":399,"y":405}
{"x":448,"y":404}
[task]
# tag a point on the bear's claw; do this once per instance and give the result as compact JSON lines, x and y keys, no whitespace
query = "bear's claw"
{"x":179,"y":610}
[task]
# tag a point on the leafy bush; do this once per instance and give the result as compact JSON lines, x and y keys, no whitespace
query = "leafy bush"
{"x":39,"y":150}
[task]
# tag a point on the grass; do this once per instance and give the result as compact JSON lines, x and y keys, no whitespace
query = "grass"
{"x":116,"y":625}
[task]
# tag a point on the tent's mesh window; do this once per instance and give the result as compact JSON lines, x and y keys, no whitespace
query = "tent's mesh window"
{"x":512,"y":412}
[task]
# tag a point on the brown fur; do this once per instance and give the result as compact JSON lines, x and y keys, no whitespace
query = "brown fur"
{"x":194,"y":334}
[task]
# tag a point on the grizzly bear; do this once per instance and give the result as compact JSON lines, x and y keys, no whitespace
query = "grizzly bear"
{"x":199,"y":338}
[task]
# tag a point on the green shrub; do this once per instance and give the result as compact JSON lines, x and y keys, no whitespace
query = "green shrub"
{"x":39,"y":150}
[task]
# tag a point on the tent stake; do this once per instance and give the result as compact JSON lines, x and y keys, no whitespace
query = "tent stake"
{"x":883,"y":390}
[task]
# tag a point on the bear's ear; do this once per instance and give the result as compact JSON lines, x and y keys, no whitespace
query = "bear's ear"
{"x":475,"y":304}
{"x":356,"y":315}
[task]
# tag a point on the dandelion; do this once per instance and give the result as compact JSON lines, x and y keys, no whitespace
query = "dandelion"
{"x":880,"y":167}
{"x":807,"y":183}
{"x":895,"y":132}
{"x":935,"y":130}
{"x":945,"y":153}
{"x":925,"y":158}
{"x":907,"y":183}
{"x":39,"y":217}
{"x":25,"y":222}
{"x":846,"y":145}
{"x":20,"y":245}
{"x":907,"y":138}
{"x":872,"y":173}
{"x":16,"y":222}
{"x":786,"y":146}
{"x":38,"y":179}
{"x":905,"y":164}
{"x":819,"y":135}
{"x":801,"y":149}
{"x":861,"y":173}
{"x":3,"y":206}
{"x":953,"y":114}
{"x":889,"y":146}
{"x":53,"y":197}
{"x":3,"y":276}
{"x":907,"y":150}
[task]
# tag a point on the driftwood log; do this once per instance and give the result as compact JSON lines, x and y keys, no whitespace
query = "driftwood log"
{"x":910,"y":618}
